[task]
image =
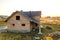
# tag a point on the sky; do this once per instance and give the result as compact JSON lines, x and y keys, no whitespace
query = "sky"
{"x":47,"y":7}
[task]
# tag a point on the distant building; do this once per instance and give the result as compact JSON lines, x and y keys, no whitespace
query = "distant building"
{"x":24,"y":21}
{"x":4,"y":16}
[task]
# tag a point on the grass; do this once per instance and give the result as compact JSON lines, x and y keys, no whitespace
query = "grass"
{"x":2,"y":23}
{"x":54,"y":27}
{"x":15,"y":36}
{"x":9,"y":36}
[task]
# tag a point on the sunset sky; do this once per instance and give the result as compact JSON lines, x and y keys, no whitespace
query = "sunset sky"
{"x":48,"y":7}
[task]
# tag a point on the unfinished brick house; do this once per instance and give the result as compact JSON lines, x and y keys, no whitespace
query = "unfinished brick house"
{"x":24,"y":21}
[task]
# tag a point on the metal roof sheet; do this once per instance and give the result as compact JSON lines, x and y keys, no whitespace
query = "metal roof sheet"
{"x":28,"y":15}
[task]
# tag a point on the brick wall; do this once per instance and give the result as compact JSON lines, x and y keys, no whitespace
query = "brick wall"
{"x":18,"y":26}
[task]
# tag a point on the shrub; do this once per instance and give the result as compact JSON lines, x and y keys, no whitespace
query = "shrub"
{"x":48,"y":28}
